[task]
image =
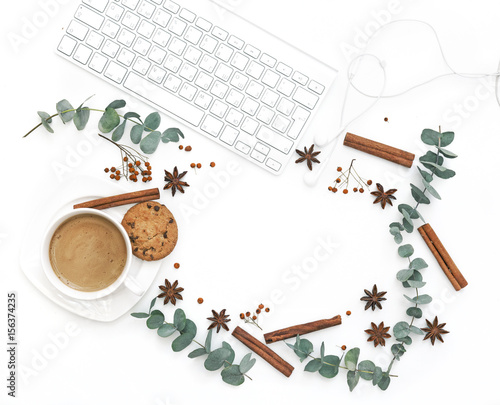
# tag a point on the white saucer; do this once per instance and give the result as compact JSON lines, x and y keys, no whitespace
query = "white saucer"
{"x":82,"y":189}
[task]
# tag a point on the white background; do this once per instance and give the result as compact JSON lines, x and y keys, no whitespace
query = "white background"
{"x":239,"y":248}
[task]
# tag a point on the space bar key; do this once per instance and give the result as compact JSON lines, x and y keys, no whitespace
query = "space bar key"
{"x":164,"y":99}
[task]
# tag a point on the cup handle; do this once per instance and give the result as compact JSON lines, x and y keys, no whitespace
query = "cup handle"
{"x":133,"y":286}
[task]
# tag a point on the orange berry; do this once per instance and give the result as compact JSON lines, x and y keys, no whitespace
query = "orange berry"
{"x":176,"y":265}
{"x":267,"y":309}
{"x":330,"y":188}
{"x":212,"y":164}
{"x":254,"y":317}
{"x":118,"y":172}
{"x":137,"y":163}
{"x":125,"y":159}
{"x":106,"y":170}
{"x":113,"y":169}
{"x":147,"y":164}
{"x":111,"y":176}
{"x":200,"y":300}
{"x":242,"y":316}
{"x":130,"y":165}
{"x":181,"y":147}
{"x":348,"y":313}
{"x":344,"y":347}
{"x":369,"y":182}
{"x":188,"y":148}
{"x":193,"y":165}
{"x":117,"y":177}
{"x":198,"y":165}
{"x":261,"y":306}
{"x":355,"y":189}
{"x":345,"y":191}
{"x":247,"y":314}
{"x":339,"y":169}
{"x":335,"y":189}
{"x":361,"y":190}
{"x":338,"y":180}
{"x":258,"y":311}
{"x":386,"y":119}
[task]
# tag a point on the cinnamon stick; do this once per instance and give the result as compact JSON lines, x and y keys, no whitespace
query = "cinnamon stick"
{"x":121,"y":199}
{"x":263,"y":351}
{"x":293,"y":331}
{"x":379,"y":149}
{"x":442,"y":256}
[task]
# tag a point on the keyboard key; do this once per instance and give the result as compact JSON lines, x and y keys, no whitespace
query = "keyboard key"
{"x":281,"y":124}
{"x":203,"y":100}
{"x":188,"y":72}
{"x":187,"y":91}
{"x":270,"y":78}
{"x":284,"y":69}
{"x":98,"y":62}
{"x":204,"y":24}
{"x":77,"y":30}
{"x":229,"y":135}
{"x":242,"y":147}
{"x":126,"y":37}
{"x":212,"y":126}
{"x":300,"y":78}
{"x":157,"y":55}
{"x":250,"y":106}
{"x":249,"y":126}
{"x":265,"y":115}
{"x":66,"y":45}
{"x":270,"y":98}
{"x":239,"y":81}
{"x":240,"y":61}
{"x":131,"y":4}
{"x":305,"y":98}
{"x":224,"y":52}
{"x":285,"y":106}
{"x":219,"y":89}
{"x":255,"y":70}
{"x":95,"y":40}
{"x":82,"y":54}
{"x":146,"y":29}
{"x":208,"y":44}
{"x":234,"y":117}
{"x":177,"y":26}
{"x":261,"y":148}
{"x":161,"y":17}
{"x":299,"y":118}
{"x":273,"y":164}
{"x":110,"y":48}
{"x":268,"y":60}
{"x":161,"y":37}
{"x":193,"y":35}
{"x":141,"y":46}
{"x":223,"y":72}
{"x":255,"y":89}
{"x":208,"y":63}
{"x":99,"y":5}
{"x":173,"y":83}
{"x":236,"y":42}
{"x":316,"y":87}
{"x":89,"y":17}
{"x":146,"y":9}
{"x":252,"y":51}
{"x":130,"y":20}
{"x":177,"y":46}
{"x":204,"y":81}
{"x":157,"y":74}
{"x":286,"y":87}
{"x":125,"y":56}
{"x":110,"y":29}
{"x":274,"y":139}
{"x":218,"y":108}
{"x":259,"y":157}
{"x":141,"y":65}
{"x":193,"y":55}
{"x":115,"y":72}
{"x":168,"y":101}
{"x":115,"y":11}
{"x":187,"y":15}
{"x":235,"y":98}
{"x":173,"y":63}
{"x":156,"y":1}
{"x":171,"y":6}
{"x":219,"y":33}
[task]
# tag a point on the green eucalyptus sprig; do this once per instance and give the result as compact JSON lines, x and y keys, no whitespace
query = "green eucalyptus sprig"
{"x":111,"y":120}
{"x":223,"y":357}
{"x":328,"y":365}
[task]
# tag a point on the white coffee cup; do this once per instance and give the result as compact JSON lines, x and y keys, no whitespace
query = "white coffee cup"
{"x":124,"y":277}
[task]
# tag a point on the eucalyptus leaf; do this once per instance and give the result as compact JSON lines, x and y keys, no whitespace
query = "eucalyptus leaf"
{"x":313,"y":366}
{"x":150,"y":143}
{"x":414,"y":311}
{"x":152,"y":122}
{"x":408,"y":225}
{"x":247,"y":363}
{"x":181,"y":342}
{"x":415,"y":330}
{"x":65,"y":110}
{"x":430,"y":137}
{"x":431,"y":157}
{"x":216,"y":359}
{"x":232,"y":375}
{"x":129,"y":115}
{"x":189,"y":329}
{"x":394,"y":231}
{"x":197,"y":353}
{"x":398,"y":238}
{"x":425,"y":175}
{"x":322,"y":351}
{"x":416,"y":284}
{"x":330,"y":366}
{"x":406,"y":215}
{"x":81,"y":117}
{"x":136,"y":133}
{"x":179,"y":319}
{"x":447,"y":153}
{"x":401,"y":330}
{"x":153,"y":302}
{"x":208,"y":341}
{"x":109,"y":120}
{"x":418,"y":264}
{"x":305,"y":347}
{"x":410,"y":210}
{"x":417,"y":276}
{"x":406,"y":340}
{"x":406,"y":250}
{"x":396,"y":224}
{"x":352,"y":379}
{"x":118,"y":132}
{"x":117,"y":104}
{"x":419,"y":195}
{"x":351,"y":359}
{"x":432,"y":191}
{"x":171,"y":135}
{"x":404,"y":275}
{"x":366,"y":369}
{"x":398,"y":350}
{"x":445,"y":174}
{"x":139,"y":315}
{"x":384,"y":382}
{"x":377,"y":375}
{"x":227,"y":346}
{"x":166,"y":330}
{"x":447,"y":138}
{"x":155,"y":320}
{"x":421,"y":299}
{"x":46,"y":120}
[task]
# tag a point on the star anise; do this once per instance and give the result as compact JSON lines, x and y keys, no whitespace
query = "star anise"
{"x":383,"y":197}
{"x":219,"y":320}
{"x":373,"y":298}
{"x":308,"y":155}
{"x":434,"y":331}
{"x":378,"y":334}
{"x":170,"y":292}
{"x":174,"y":181}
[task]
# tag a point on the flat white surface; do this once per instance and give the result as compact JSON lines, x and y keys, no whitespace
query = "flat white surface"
{"x":250,"y":238}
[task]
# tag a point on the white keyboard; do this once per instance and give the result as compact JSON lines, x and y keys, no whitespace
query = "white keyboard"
{"x":238,"y":85}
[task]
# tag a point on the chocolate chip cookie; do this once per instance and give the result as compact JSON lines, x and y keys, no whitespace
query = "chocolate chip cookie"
{"x":152,"y":230}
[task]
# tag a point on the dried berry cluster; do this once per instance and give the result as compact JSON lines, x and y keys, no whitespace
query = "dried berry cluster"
{"x":248,"y":317}
{"x":350,"y":175}
{"x":131,"y":171}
